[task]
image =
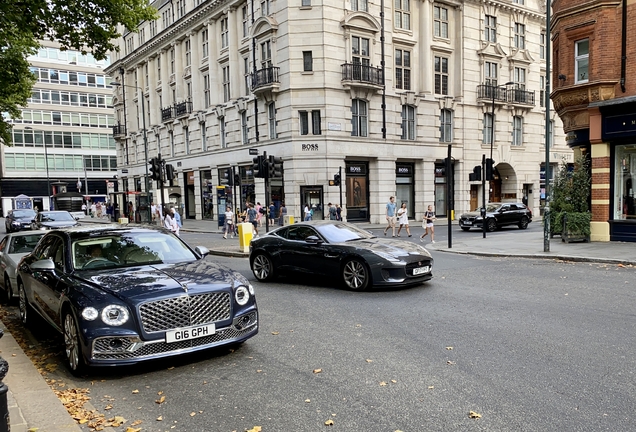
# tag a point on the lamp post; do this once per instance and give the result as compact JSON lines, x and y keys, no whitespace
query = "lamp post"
{"x":46,"y":163}
{"x":546,"y":208}
{"x":143,"y":117}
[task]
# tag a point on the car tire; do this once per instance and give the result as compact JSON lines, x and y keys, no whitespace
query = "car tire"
{"x":262,"y":267}
{"x":72,"y":345}
{"x":465,"y":228}
{"x":8,"y":290}
{"x":356,"y":275}
{"x":491,"y":225}
{"x":523,"y":224}
{"x":23,"y":306}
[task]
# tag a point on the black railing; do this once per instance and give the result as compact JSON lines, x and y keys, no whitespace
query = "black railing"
{"x":264,"y":77}
{"x":502,"y":94}
{"x":362,"y":73}
{"x":182,"y":108}
{"x":167,"y":113}
{"x":119,"y":130}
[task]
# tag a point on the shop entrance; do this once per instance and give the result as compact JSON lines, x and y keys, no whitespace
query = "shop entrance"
{"x":312,"y":195}
{"x":357,"y":191}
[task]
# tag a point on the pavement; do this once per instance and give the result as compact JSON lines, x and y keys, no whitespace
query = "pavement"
{"x":32,"y":403}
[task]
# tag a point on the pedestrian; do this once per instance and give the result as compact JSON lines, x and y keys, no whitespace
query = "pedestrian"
{"x":98,"y":207}
{"x":390,"y":215}
{"x":131,"y":213}
{"x":427,"y":224}
{"x":177,"y":217}
{"x":307,"y":212}
{"x":403,"y":219}
{"x":281,"y":214}
{"x":333,"y":212}
{"x":153,"y":211}
{"x":338,"y":212}
{"x":259,"y":213}
{"x":228,"y":227}
{"x":252,"y":217}
{"x":84,"y":208}
{"x":272,"y":213}
{"x":93,"y":210}
{"x":170,"y":224}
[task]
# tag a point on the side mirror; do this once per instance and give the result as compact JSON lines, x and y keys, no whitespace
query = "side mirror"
{"x":43,"y":265}
{"x":313,"y":239}
{"x":202,"y":250}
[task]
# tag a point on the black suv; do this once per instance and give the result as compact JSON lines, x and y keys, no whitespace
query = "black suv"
{"x":18,"y":220}
{"x":498,"y":215}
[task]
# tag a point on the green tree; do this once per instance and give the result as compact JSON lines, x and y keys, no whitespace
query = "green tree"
{"x":76,"y":24}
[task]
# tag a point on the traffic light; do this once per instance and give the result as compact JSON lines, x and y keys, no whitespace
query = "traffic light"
{"x":275,"y":167}
{"x":169,"y":172}
{"x":336,"y":179}
{"x":237,"y":179}
{"x":155,"y":169}
{"x":259,"y":167}
{"x":490,"y":169}
{"x":476,"y":174}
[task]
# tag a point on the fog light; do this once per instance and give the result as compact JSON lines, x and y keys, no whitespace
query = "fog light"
{"x":116,"y":344}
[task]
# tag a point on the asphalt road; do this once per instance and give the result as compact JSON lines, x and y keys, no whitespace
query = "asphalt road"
{"x":530,"y":345}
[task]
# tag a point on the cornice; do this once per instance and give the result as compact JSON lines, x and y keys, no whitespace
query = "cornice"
{"x":512,"y":8}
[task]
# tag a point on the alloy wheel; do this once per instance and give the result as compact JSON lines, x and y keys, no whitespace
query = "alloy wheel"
{"x":23,"y":305}
{"x":355,"y":275}
{"x":8,"y":290}
{"x":262,"y":267}
{"x":71,"y":342}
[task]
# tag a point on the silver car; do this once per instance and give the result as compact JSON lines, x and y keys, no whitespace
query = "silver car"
{"x":12,"y":248}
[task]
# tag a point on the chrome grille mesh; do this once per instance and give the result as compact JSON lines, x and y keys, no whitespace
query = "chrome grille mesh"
{"x":184,"y":311}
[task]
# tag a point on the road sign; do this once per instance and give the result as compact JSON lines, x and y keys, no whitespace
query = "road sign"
{"x":253,"y":152}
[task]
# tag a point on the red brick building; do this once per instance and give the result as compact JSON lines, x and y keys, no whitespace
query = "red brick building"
{"x":594,"y":93}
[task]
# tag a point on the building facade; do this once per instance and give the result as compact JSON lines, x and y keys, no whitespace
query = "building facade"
{"x":65,"y":135}
{"x":337,"y":87}
{"x":595,"y":95}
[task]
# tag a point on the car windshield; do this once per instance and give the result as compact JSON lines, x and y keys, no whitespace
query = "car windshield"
{"x":342,"y":232}
{"x":128,"y":249}
{"x":57,"y":217}
{"x":23,"y":214}
{"x":492,"y":207}
{"x":24,"y":243}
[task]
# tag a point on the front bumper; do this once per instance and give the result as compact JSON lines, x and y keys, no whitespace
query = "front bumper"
{"x":130,"y":349}
{"x":401,"y":276}
{"x":470,"y":223}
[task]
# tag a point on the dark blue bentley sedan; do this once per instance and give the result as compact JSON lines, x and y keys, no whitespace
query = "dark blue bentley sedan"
{"x":121,"y":295}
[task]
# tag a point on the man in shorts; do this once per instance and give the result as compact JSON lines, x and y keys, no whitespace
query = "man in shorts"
{"x":390,"y":215}
{"x":252,"y":217}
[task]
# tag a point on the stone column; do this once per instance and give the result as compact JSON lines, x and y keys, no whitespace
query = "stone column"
{"x":601,"y":179}
{"x":198,"y":101}
{"x":233,"y":45}
{"x":153,"y":79}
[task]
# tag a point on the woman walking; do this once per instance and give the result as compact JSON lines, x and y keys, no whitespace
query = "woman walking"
{"x":427,"y":224}
{"x":228,"y":227}
{"x":403,"y":220}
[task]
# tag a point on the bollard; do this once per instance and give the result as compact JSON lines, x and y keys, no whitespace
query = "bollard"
{"x":5,"y":425}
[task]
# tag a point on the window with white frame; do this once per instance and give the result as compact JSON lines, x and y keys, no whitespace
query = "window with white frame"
{"x":542,"y":46}
{"x":206,"y":90}
{"x":551,"y":133}
{"x":130,"y":45}
{"x":181,"y":8}
{"x":171,"y":136}
{"x":266,"y":54}
{"x":408,"y":122}
{"x":520,"y":36}
{"x":402,"y":69}
{"x":271,"y":119}
{"x":153,"y":28}
{"x":487,"y":129}
{"x":517,"y":131}
{"x":304,"y":122}
{"x":303,"y":116}
{"x":446,"y":126}
{"x":440,"y":22}
{"x":360,"y":57}
{"x":521,"y":2}
{"x":265,"y":7}
{"x":158,"y":61}
{"x":204,"y":137}
{"x":490,"y":28}
{"x":308,"y":61}
{"x":222,"y":132}
{"x":142,"y":36}
{"x":542,"y":100}
{"x":189,"y":89}
{"x":172,"y":66}
{"x":245,"y":20}
{"x":441,"y":75}
{"x":520,"y":78}
{"x":315,"y":122}
{"x":491,"y":69}
{"x":226,"y":83}
{"x":244,"y":131}
{"x":166,"y":18}
{"x":186,"y":136}
{"x":205,"y":43}
{"x":360,"y":5}
{"x":581,"y":60}
{"x":188,"y":52}
{"x":246,"y":74}
{"x":359,"y":118}
{"x":403,"y":14}
{"x":306,"y":3}
{"x":147,"y":80}
{"x":224,"y":32}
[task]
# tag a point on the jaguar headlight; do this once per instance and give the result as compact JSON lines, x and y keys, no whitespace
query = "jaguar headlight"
{"x":90,"y":314}
{"x":386,"y":256}
{"x":115,"y":315}
{"x":242,"y":295}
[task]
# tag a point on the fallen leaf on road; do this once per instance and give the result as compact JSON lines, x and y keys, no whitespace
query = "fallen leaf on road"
{"x":316,"y":371}
{"x":130,"y":429}
{"x":135,"y":391}
{"x":192,"y":414}
{"x":160,"y":418}
{"x":307,"y":400}
{"x":107,"y":407}
{"x":431,"y":387}
{"x":369,"y":360}
{"x":382,"y":383}
{"x":255,"y":429}
{"x":274,"y":333}
{"x":329,"y":422}
{"x":449,"y":348}
{"x":474,"y":415}
{"x":136,"y":422}
{"x":161,"y":400}
{"x":160,"y":393}
{"x":450,"y":362}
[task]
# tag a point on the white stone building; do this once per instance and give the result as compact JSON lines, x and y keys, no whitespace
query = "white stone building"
{"x":304,"y":81}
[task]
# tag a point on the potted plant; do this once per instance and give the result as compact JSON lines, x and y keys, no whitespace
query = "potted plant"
{"x":570,"y":215}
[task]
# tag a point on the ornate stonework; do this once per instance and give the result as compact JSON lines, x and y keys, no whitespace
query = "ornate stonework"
{"x":571,"y":103}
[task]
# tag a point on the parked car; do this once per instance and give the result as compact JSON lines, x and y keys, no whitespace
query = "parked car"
{"x":123,"y":295}
{"x":330,"y":248}
{"x":12,"y":248}
{"x":53,"y":219}
{"x":497,"y":216}
{"x":17,"y":220}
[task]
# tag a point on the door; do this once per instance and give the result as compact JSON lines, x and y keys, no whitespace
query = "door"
{"x":312,"y":196}
{"x":309,"y":257}
{"x":440,"y":200}
{"x":474,"y":197}
{"x":44,"y":285}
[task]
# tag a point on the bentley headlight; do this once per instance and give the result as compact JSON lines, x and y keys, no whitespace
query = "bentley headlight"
{"x":114,"y":315}
{"x":242,"y":295}
{"x":90,"y":314}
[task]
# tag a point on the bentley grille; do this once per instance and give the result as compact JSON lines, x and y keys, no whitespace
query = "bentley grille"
{"x":184,"y":311}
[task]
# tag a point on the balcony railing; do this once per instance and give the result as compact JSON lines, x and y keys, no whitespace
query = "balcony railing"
{"x":182,"y":108}
{"x":119,"y":130}
{"x":507,"y":95}
{"x":265,"y":77}
{"x":362,"y":74}
{"x":167,"y":113}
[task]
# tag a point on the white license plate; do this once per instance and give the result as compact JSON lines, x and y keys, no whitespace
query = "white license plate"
{"x":188,"y":333}
{"x":468,"y":223}
{"x":421,"y":270}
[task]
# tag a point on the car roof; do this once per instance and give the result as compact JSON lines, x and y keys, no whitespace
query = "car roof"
{"x":83,"y":231}
{"x":24,"y":233}
{"x":54,"y":211}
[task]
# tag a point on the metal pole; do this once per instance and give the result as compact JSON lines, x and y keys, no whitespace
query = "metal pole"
{"x":448,"y":197}
{"x":546,"y":209}
{"x":340,"y":187}
{"x":383,"y":78}
{"x":483,"y":194}
{"x":48,"y":179}
{"x":143,"y":116}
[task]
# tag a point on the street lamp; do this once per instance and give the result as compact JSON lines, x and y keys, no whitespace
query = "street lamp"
{"x":143,"y":117}
{"x":46,"y":163}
